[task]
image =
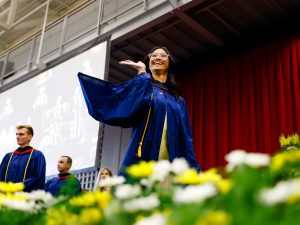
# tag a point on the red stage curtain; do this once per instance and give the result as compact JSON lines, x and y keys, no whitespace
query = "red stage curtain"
{"x":245,"y":101}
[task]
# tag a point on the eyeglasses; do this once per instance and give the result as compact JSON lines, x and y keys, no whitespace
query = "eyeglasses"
{"x":155,"y":55}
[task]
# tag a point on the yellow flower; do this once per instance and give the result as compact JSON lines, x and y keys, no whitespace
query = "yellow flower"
{"x":87,"y":216}
{"x":277,"y":162}
{"x":294,"y":196}
{"x":54,"y":216}
{"x":102,"y":199}
{"x":90,"y":216}
{"x":281,"y":159}
{"x":11,"y":187}
{"x":295,"y":139}
{"x":284,"y":141}
{"x":210,"y":176}
{"x":18,"y":197}
{"x":85,"y":200}
{"x":89,"y":199}
{"x":141,"y":170}
{"x":293,"y":199}
{"x":215,"y":218}
{"x":290,"y":140}
{"x":70,"y":219}
{"x":11,"y":197}
{"x":224,"y":185}
{"x":190,"y":176}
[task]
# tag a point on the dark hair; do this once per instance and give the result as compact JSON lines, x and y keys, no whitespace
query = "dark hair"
{"x":27,"y":127}
{"x":171,"y":83}
{"x":69,"y":159}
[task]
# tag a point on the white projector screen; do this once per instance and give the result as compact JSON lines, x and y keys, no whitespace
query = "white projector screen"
{"x":52,"y":103}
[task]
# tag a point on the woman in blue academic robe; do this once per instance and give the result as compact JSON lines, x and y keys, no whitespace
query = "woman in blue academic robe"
{"x":149,"y":104}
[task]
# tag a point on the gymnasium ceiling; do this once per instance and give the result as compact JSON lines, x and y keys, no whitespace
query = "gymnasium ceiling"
{"x":20,"y":19}
{"x":197,"y":31}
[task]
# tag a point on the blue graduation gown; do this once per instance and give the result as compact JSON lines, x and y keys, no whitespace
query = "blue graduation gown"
{"x":127,"y":105}
{"x":63,"y":184}
{"x":36,"y":171}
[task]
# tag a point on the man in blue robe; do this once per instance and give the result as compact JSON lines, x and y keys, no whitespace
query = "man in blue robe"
{"x":25,"y":164}
{"x":148,"y":104}
{"x":65,"y":183}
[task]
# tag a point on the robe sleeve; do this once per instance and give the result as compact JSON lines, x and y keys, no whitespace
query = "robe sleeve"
{"x":47,"y":185}
{"x":190,"y":154}
{"x":70,"y":187}
{"x":3,"y":166}
{"x":122,"y":105}
{"x":37,"y":177}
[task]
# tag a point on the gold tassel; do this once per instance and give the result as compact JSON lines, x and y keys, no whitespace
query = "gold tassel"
{"x":139,"y":153}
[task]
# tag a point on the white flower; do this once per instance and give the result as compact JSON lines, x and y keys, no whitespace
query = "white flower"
{"x":28,"y":206}
{"x":238,"y":157}
{"x":257,"y":159}
{"x":111,"y":181}
{"x":37,"y":195}
{"x":179,"y":166}
{"x":42,"y":198}
{"x":197,"y":193}
{"x":142,"y":203}
{"x":147,"y":183}
{"x":291,"y":147}
{"x":127,"y":191}
{"x":156,"y":219}
{"x":281,"y":192}
{"x":161,"y":170}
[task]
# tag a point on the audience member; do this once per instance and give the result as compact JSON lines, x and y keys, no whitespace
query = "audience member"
{"x":65,"y":183}
{"x":102,"y":175}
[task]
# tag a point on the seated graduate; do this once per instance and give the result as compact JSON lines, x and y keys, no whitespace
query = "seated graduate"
{"x":65,"y":183}
{"x":103,"y":174}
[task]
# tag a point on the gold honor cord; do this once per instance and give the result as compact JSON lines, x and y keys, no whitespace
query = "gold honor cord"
{"x":139,"y":153}
{"x":25,"y":171}
{"x":141,"y":142}
{"x":9,"y":164}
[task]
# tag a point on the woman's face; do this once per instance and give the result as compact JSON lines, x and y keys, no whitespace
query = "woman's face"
{"x":159,"y":61}
{"x":104,"y":174}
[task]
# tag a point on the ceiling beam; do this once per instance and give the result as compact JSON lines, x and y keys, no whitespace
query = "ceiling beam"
{"x":223,"y":22}
{"x":174,"y":3}
{"x":30,"y":13}
{"x":198,"y":28}
{"x":119,"y":54}
{"x":12,"y":12}
{"x":4,"y":26}
{"x":119,"y":73}
{"x":3,"y":43}
{"x":207,"y":5}
{"x":2,"y":2}
{"x":4,"y":12}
